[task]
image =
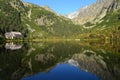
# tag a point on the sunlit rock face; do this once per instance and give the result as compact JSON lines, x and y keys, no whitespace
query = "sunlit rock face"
{"x":95,"y":11}
{"x":90,"y":62}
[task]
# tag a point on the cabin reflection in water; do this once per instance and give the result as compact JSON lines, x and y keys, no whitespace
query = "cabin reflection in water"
{"x":13,"y":46}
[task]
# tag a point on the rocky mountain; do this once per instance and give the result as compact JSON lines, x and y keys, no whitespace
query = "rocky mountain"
{"x":97,"y":10}
{"x":72,"y":15}
{"x":34,"y":21}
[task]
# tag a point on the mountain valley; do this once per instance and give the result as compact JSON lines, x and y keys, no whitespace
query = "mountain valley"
{"x":33,"y":21}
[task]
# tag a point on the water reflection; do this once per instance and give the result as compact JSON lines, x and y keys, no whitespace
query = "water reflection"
{"x":63,"y":72}
{"x":32,"y":58}
{"x":13,"y":46}
{"x":91,"y":62}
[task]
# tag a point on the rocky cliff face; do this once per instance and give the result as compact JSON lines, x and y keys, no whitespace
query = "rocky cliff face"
{"x":95,"y":11}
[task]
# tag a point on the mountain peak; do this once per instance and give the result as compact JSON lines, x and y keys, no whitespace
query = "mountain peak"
{"x":94,"y":11}
{"x":47,"y":8}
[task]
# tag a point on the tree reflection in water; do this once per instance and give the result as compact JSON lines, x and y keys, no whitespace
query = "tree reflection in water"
{"x":99,"y":59}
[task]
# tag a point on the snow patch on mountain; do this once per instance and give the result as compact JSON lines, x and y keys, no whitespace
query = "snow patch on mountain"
{"x":75,"y":13}
{"x":72,"y":15}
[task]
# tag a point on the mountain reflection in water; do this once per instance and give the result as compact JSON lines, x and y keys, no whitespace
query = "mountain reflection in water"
{"x":63,"y":72}
{"x":93,"y":60}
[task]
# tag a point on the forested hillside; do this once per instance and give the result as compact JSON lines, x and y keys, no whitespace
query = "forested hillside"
{"x":35,"y":21}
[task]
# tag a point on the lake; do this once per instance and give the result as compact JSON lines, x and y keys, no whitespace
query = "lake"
{"x":60,"y":60}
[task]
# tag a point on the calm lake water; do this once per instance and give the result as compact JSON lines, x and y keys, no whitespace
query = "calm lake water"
{"x":70,"y":60}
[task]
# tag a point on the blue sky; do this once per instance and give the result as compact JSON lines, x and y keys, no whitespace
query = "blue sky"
{"x":62,"y":6}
